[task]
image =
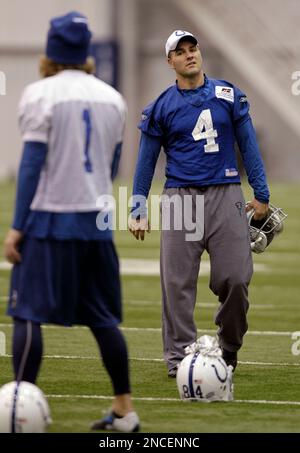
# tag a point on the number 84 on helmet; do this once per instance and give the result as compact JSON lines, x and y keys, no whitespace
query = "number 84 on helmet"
{"x":204,"y":378}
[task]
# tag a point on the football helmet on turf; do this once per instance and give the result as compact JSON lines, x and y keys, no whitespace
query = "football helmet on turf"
{"x":203,"y":375}
{"x":23,"y":408}
{"x":262,"y":232}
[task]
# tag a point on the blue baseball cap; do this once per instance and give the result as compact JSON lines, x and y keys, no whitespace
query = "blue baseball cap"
{"x":68,"y":39}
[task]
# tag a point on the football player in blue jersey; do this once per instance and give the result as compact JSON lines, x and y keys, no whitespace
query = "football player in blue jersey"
{"x":197,"y":122}
{"x":66,"y":270}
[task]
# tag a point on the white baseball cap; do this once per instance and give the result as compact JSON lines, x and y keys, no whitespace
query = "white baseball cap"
{"x":175,"y":37}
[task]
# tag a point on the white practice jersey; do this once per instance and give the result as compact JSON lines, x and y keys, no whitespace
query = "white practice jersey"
{"x":82,"y":120}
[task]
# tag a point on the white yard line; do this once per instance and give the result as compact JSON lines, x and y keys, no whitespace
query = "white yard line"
{"x":129,"y":266}
{"x":198,"y":304}
{"x":143,"y":359}
{"x":158,"y":329}
{"x":158,"y":303}
{"x":292,"y":403}
{"x":240,"y":362}
{"x":176,"y":400}
{"x":268,"y":363}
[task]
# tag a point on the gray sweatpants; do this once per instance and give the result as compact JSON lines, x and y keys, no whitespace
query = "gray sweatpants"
{"x":226,"y":239}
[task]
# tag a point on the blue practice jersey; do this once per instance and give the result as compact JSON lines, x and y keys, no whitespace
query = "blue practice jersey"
{"x":198,"y":132}
{"x":81,"y":119}
{"x":72,"y":126}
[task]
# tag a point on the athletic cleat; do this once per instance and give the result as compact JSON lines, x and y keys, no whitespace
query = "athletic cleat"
{"x":112,"y":422}
{"x":230,"y":358}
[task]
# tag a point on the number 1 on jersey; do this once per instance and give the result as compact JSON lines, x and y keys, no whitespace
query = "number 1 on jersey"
{"x":88,"y":128}
{"x":204,"y":130}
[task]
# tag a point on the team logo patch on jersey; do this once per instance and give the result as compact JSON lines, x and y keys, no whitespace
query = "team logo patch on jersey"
{"x":226,"y":93}
{"x":229,"y":172}
{"x":144,"y":117}
{"x":243,"y":99}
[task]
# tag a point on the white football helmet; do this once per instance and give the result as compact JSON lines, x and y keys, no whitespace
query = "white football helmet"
{"x":203,"y":375}
{"x":262,"y":232}
{"x":23,"y":408}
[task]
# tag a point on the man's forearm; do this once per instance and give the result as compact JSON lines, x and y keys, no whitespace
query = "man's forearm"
{"x":253,"y":163}
{"x":147,"y":158}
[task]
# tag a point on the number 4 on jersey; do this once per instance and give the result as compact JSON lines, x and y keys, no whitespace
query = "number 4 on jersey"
{"x":204,"y":130}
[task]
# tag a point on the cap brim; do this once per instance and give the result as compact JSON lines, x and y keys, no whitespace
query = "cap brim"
{"x":187,"y":38}
{"x":184,"y":38}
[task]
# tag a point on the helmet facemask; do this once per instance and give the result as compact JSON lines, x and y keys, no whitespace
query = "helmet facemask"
{"x":262,"y":232}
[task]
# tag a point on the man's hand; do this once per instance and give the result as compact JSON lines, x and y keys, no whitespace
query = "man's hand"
{"x":11,"y":246}
{"x":260,"y":209}
{"x":138,"y":227}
